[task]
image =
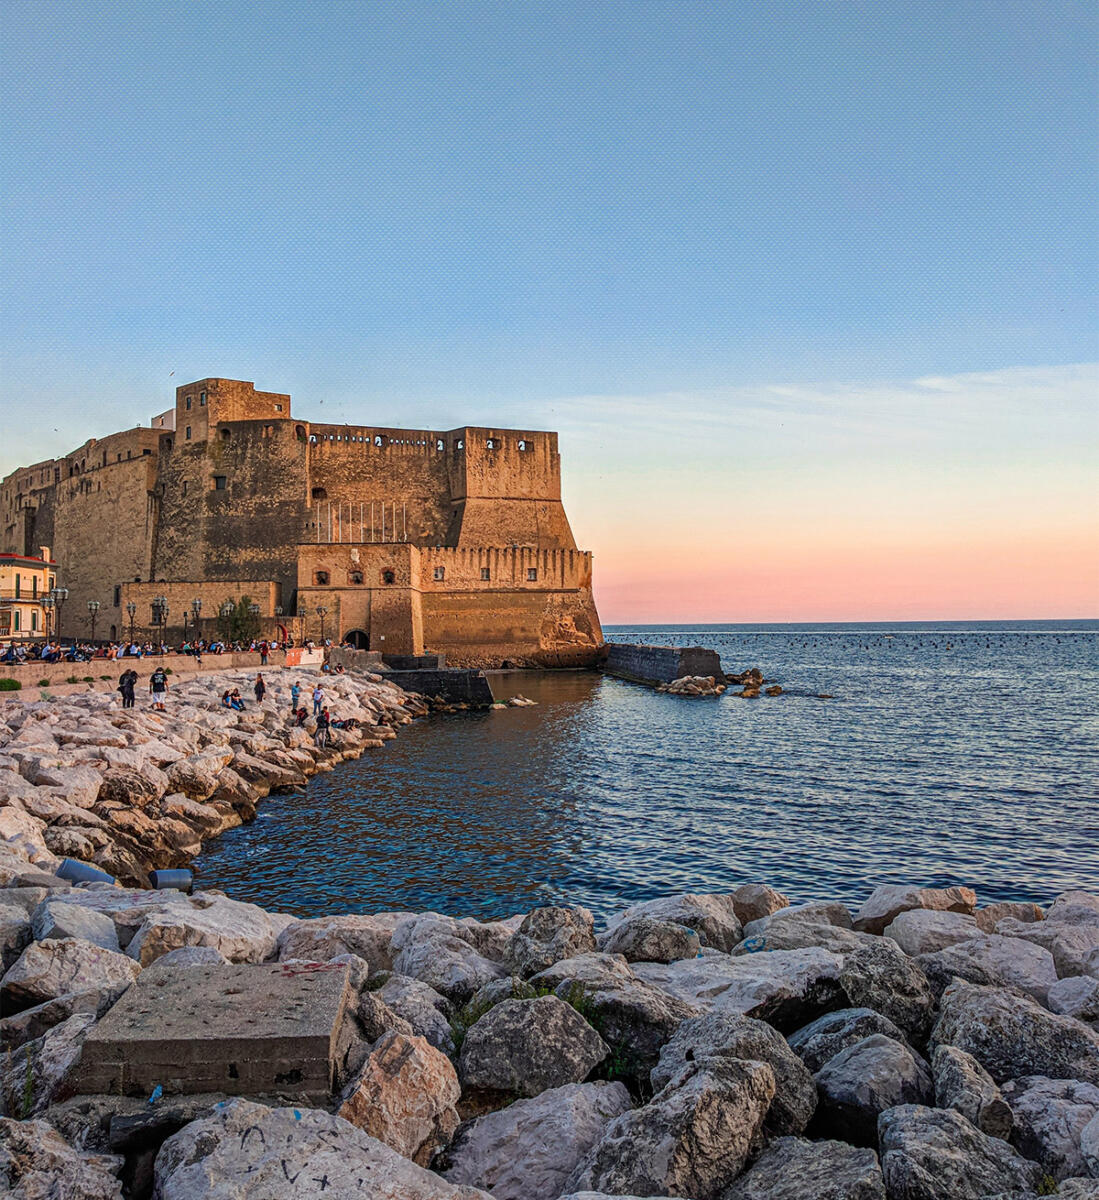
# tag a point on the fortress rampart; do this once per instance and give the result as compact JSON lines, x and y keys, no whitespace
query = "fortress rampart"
{"x":411,"y":540}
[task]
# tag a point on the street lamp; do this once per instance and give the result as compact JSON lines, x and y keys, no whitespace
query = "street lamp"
{"x":47,"y":604}
{"x":131,"y":612}
{"x":93,"y":613}
{"x":160,"y":614}
{"x":322,"y":612}
{"x":196,"y":609}
{"x":60,"y":595}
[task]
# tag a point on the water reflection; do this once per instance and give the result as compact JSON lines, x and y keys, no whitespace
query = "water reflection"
{"x":934,"y":762}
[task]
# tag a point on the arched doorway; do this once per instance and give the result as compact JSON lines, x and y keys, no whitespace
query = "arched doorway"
{"x":358,"y":639}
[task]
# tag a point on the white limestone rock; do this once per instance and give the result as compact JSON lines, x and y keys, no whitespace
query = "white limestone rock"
{"x":35,"y":1075}
{"x":693,"y":1138}
{"x":713,"y":916}
{"x":885,"y":903}
{"x":242,"y":932}
{"x":246,"y":1151}
{"x":989,"y":958}
{"x":36,"y":1163}
{"x":529,"y":1150}
{"x":923,"y":931}
{"x":55,"y":918}
{"x":322,"y":938}
{"x":786,"y":988}
{"x":46,"y":970}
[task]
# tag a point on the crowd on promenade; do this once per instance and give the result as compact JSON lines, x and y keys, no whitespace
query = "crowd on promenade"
{"x":16,"y":653}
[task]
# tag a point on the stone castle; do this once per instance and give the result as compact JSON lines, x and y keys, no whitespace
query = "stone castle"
{"x":409,"y":540}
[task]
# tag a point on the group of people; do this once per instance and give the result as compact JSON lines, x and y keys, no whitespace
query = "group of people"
{"x":232,"y":699}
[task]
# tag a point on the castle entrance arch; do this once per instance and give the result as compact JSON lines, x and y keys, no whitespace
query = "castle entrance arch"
{"x":358,"y":639}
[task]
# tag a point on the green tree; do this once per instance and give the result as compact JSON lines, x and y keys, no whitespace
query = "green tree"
{"x":238,"y":623}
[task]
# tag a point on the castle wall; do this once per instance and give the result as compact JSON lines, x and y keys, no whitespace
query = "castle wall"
{"x":182,"y":593}
{"x":248,"y":526}
{"x":104,"y":524}
{"x":469,"y":522}
{"x":356,"y":471}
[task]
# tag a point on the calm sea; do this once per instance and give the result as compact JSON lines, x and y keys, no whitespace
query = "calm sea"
{"x":951,"y":753}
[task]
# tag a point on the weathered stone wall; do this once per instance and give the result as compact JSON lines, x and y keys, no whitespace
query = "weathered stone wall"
{"x":180,"y":596}
{"x":661,"y":664}
{"x":249,"y":527}
{"x":103,"y":524}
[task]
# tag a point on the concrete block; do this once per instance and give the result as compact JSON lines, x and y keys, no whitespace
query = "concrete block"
{"x":238,"y":1028}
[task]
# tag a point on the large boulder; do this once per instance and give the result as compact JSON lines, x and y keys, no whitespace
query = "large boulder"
{"x":546,"y":936}
{"x":991,"y":959}
{"x":38,"y":1072}
{"x":647,"y":939}
{"x":427,"y":1012}
{"x":445,"y":962}
{"x":55,"y":919}
{"x":1050,"y":1117}
{"x":882,"y":977}
{"x":36,"y":1163}
{"x":1018,"y":910}
{"x":1071,"y":936}
{"x":923,"y":931}
{"x":244,"y":933}
{"x":377,"y":1018}
{"x":322,"y":938}
{"x":825,"y":1037}
{"x":857,"y":1085}
{"x":634,"y":1018}
{"x":405,"y":1096}
{"x":524,"y":1047}
{"x":731,"y":1035}
{"x":712,"y":916}
{"x":1011,"y":1035}
{"x":754,"y":900}
{"x":794,"y":1169}
{"x":1077,"y":996}
{"x":15,"y":932}
{"x":692,"y":1139}
{"x":887,"y":902}
{"x":961,"y":1083}
{"x":1089,"y":1146}
{"x":529,"y":1150}
{"x":31,"y":1023}
{"x":46,"y":970}
{"x":251,"y":1152}
{"x":936,"y":1154}
{"x":786,"y":988}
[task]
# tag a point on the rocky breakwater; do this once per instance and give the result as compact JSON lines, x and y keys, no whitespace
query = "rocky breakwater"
{"x":131,"y":790}
{"x":700,"y":1047}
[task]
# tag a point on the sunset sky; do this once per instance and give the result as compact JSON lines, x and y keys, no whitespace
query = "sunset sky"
{"x":808,"y":290}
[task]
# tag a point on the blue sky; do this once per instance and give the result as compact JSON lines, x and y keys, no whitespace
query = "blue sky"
{"x":441,"y":212}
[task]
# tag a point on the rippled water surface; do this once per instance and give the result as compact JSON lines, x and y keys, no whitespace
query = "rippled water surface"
{"x":950,"y":753}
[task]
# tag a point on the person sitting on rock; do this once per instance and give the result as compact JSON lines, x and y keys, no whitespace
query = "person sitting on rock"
{"x":235,"y":701}
{"x":302,"y":715}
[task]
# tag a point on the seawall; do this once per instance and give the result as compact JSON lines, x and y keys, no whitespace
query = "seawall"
{"x":661,"y":664}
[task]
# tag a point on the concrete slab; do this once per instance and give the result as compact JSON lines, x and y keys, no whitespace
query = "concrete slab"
{"x":236,"y":1028}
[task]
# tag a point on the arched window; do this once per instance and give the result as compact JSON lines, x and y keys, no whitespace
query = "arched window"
{"x":389,"y":577}
{"x":226,"y":435}
{"x":440,"y":444}
{"x":440,"y":574}
{"x":355,"y":577}
{"x":299,"y":432}
{"x":319,"y":493}
{"x":377,"y":439}
{"x":320,"y":579}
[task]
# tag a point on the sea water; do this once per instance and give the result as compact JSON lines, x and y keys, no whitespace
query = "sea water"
{"x":948,"y":753}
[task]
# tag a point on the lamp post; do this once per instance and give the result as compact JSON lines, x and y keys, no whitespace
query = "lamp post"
{"x":160,"y":614}
{"x":47,"y":604}
{"x":93,"y":613}
{"x":196,"y":610}
{"x":60,"y":595}
{"x":226,"y":611}
{"x":131,"y":612}
{"x":322,"y":612}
